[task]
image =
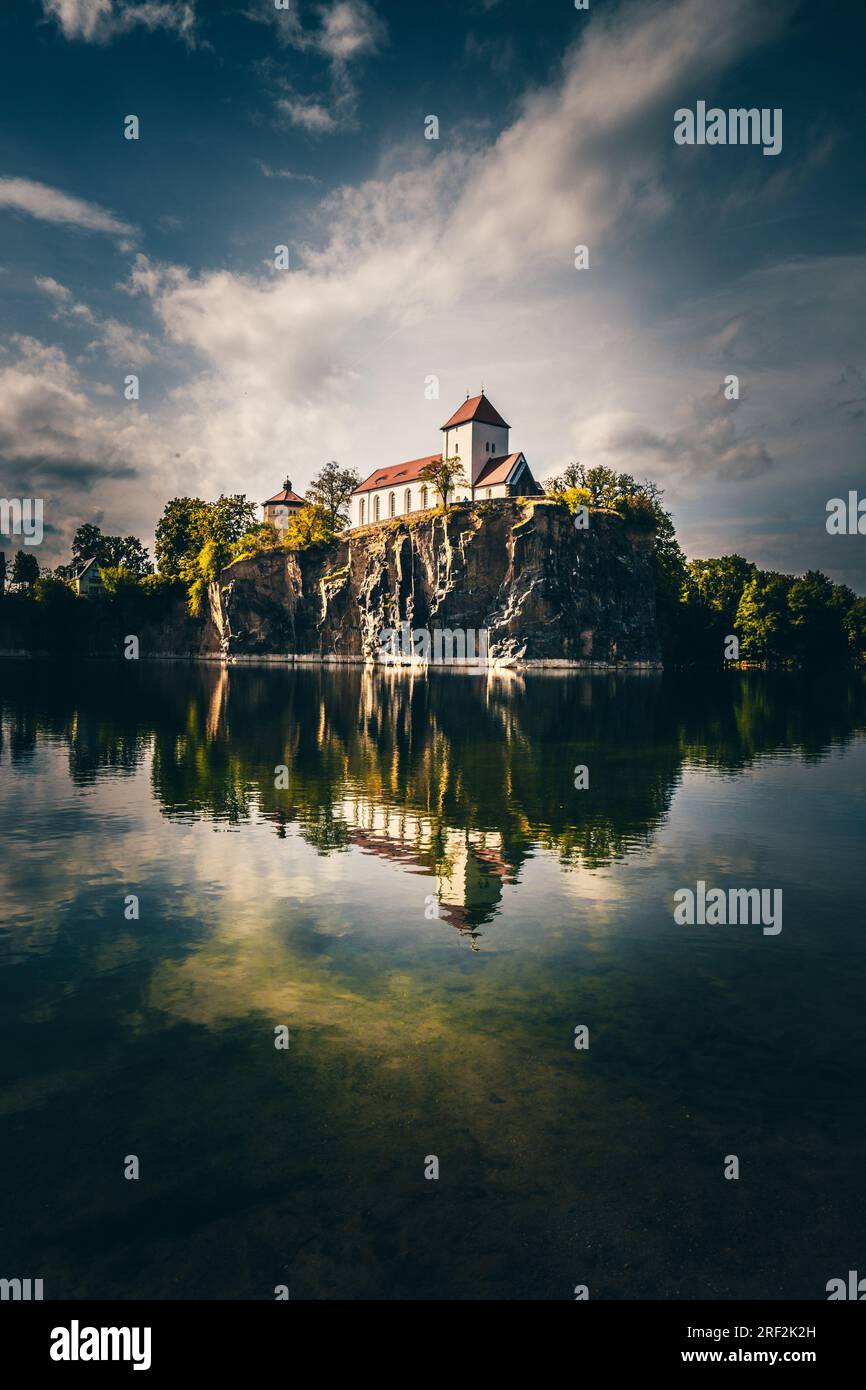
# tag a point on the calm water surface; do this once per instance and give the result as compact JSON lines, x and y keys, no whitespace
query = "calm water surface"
{"x":431,"y":908}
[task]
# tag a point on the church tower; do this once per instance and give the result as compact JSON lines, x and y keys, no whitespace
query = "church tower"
{"x":477,"y":434}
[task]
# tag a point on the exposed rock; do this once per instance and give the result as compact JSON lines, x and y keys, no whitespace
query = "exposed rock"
{"x":543,"y":590}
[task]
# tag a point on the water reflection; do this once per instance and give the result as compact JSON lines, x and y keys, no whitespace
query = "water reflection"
{"x":461,"y":778}
{"x":308,"y":906}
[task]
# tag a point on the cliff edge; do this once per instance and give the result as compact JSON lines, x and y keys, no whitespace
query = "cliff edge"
{"x":545,"y":592}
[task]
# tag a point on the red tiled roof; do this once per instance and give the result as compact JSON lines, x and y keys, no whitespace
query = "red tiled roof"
{"x":496,"y":470}
{"x":476,"y":408}
{"x":286,"y":496}
{"x":397,"y":474}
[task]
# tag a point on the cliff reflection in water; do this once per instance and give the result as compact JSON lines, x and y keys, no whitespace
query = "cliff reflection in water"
{"x":459,"y":778}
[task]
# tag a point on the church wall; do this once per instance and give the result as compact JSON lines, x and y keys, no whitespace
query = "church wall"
{"x":384,"y":493}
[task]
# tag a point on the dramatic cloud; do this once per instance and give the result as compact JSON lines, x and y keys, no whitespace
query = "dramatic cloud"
{"x":49,"y":427}
{"x":705,"y":444}
{"x":51,"y":205}
{"x":418,"y":249}
{"x":99,"y":21}
{"x":457,"y":259}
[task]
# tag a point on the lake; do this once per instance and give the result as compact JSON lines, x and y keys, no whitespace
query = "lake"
{"x":428,"y":904}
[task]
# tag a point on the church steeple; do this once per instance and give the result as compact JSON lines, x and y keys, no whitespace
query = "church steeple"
{"x":476,"y":433}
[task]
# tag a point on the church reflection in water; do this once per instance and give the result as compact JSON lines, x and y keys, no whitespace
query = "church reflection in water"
{"x":468,"y":865}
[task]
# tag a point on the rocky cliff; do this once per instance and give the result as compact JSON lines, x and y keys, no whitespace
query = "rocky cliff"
{"x":544,"y":591}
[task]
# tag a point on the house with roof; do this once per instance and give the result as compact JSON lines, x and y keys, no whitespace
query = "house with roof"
{"x":88,"y":580}
{"x":476,"y":434}
{"x":281,"y":506}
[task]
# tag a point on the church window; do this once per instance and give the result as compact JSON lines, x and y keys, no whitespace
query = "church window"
{"x":408,"y":500}
{"x":423,"y":499}
{"x":376,"y":507}
{"x":361,"y":512}
{"x":392,"y":504}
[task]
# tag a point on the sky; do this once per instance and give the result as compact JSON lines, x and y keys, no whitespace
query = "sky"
{"x":452,"y":258}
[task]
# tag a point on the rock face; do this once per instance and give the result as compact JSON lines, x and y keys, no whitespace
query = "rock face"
{"x":542,"y":590}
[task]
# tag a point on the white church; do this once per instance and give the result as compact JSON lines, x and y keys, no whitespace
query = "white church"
{"x":476,"y":434}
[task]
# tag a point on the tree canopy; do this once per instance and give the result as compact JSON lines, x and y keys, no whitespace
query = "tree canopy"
{"x":25,"y":568}
{"x":89,"y":543}
{"x":331,"y":490}
{"x":445,"y":475}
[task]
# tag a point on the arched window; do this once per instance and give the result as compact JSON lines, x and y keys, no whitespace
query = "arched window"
{"x":490,"y":492}
{"x":361,"y":513}
{"x":423,"y":499}
{"x":408,"y":500}
{"x":376,"y":507}
{"x":392,"y":504}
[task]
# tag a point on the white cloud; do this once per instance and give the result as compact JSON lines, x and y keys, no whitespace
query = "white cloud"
{"x":118,"y":341}
{"x":348,"y":31}
{"x":271,"y":173}
{"x":52,"y":287}
{"x":461,"y":265}
{"x":418,"y":250}
{"x":52,"y":205}
{"x":99,"y":21}
{"x":308,"y":113}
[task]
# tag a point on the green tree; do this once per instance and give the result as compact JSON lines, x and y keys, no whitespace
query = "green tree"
{"x":571,"y":478}
{"x":117,"y":579}
{"x":55,"y":593}
{"x":817,"y":609}
{"x":264,"y":536}
{"x":86,"y":544}
{"x":855,"y":629}
{"x":719,"y":583}
{"x":25,"y":569}
{"x":763,"y":618}
{"x":195,"y":539}
{"x":445,"y":475}
{"x":310,"y":525}
{"x":331,"y":489}
{"x":128,"y":552}
{"x":179,"y":534}
{"x":225,"y":522}
{"x":89,"y":543}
